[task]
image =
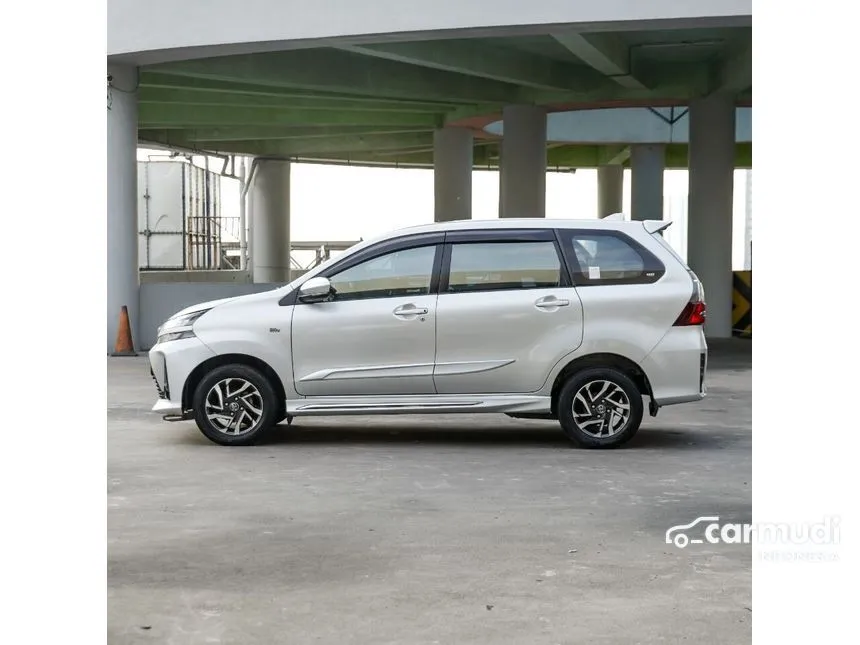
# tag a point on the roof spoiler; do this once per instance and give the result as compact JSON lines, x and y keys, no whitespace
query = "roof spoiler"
{"x":656,"y":225}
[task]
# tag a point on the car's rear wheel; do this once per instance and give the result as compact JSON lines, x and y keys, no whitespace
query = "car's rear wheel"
{"x":600,"y":407}
{"x":235,"y":405}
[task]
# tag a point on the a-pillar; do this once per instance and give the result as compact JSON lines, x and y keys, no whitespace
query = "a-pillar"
{"x":452,"y":174}
{"x":270,"y":221}
{"x":647,"y":163}
{"x":123,"y":282}
{"x":522,"y":177}
{"x":610,"y":190}
{"x":709,"y":223}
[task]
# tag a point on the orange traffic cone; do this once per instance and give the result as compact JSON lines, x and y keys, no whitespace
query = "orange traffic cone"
{"x":124,"y":345}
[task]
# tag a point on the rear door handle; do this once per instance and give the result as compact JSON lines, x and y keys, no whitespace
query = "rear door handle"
{"x":551,"y":302}
{"x":410,"y":310}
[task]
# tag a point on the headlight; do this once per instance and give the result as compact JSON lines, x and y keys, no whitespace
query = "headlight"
{"x":178,"y":327}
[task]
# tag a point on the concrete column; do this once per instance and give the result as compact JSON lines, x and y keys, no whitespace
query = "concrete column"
{"x":647,"y":162}
{"x":748,"y":219}
{"x":270,"y":233}
{"x":709,"y":224}
{"x":452,"y":174}
{"x":522,"y":177}
{"x":122,"y":269}
{"x":610,"y":190}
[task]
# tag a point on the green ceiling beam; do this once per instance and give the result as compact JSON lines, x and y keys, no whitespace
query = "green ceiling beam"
{"x":160,"y":116}
{"x":591,"y":156}
{"x":197,"y":97}
{"x":330,"y":70}
{"x":614,"y":155}
{"x":478,"y":59}
{"x":260,"y":133}
{"x":557,"y":158}
{"x":605,"y":53}
{"x":318,"y":145}
{"x":154,"y":80}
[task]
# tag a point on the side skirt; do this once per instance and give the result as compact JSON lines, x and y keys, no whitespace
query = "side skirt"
{"x":420,"y":404}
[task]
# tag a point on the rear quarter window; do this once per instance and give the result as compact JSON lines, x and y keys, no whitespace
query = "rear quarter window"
{"x":608,"y":258}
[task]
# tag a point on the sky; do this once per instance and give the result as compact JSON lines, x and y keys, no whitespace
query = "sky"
{"x":348,"y":203}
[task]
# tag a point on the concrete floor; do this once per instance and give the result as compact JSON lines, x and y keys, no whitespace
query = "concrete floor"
{"x":450,"y":529}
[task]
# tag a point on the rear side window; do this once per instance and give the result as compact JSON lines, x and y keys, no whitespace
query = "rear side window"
{"x":503,"y":265}
{"x":609,"y":257}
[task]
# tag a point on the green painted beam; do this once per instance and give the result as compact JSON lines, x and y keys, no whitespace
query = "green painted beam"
{"x":677,"y":83}
{"x":476,"y":58}
{"x":591,"y":156}
{"x":157,"y":80}
{"x":260,"y":133}
{"x":320,"y":145}
{"x":605,"y":53}
{"x":560,"y":159}
{"x":614,"y":155}
{"x":201,"y":97}
{"x":338,"y":71}
{"x":160,"y":116}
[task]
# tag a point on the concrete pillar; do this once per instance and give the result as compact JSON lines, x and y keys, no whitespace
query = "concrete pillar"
{"x":122,"y":269}
{"x":452,"y":174}
{"x":270,"y":233}
{"x":522,"y":176}
{"x":647,"y":162}
{"x":610,"y":190}
{"x":709,"y":224}
{"x":748,"y":220}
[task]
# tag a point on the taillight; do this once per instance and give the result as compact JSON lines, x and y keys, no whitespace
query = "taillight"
{"x":693,"y":314}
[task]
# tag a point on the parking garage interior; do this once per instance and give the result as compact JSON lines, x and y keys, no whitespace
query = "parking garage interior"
{"x":524,"y":100}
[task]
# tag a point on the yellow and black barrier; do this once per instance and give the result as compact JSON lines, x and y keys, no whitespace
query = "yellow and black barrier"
{"x":742,"y":304}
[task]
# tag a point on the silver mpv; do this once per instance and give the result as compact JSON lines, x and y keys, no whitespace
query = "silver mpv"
{"x":578,"y":321}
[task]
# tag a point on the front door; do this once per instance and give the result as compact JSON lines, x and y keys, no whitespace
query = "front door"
{"x":377,"y":334}
{"x":506,"y":314}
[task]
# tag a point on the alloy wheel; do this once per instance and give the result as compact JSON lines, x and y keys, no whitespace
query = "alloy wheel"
{"x":234,"y":406}
{"x":601,"y":408}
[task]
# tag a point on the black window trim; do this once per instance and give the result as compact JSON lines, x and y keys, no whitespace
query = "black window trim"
{"x":580,"y":278}
{"x":500,"y":236}
{"x":402,"y":243}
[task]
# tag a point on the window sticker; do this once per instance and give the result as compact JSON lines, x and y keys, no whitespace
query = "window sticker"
{"x":594,"y":273}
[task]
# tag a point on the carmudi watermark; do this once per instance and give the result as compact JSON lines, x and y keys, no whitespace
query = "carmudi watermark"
{"x":710,"y":530}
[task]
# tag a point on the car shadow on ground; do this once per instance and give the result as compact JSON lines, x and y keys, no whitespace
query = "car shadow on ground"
{"x":535,"y":435}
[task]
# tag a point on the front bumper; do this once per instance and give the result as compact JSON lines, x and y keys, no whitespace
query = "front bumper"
{"x":167,"y":408}
{"x":171,"y":364}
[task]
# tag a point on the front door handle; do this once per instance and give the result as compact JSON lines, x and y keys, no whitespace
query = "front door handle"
{"x":410,"y":310}
{"x":551,"y":302}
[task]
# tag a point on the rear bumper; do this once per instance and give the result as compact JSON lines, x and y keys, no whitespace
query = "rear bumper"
{"x":676,"y":367}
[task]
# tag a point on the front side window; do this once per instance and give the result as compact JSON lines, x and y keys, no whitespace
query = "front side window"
{"x":503,"y":265}
{"x":610,"y":258}
{"x":400,"y":273}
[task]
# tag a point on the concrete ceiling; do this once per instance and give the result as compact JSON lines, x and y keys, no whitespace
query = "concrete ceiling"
{"x":379,"y":102}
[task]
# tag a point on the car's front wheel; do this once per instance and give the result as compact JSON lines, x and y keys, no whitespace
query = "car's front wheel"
{"x":600,"y":408}
{"x":235,"y":405}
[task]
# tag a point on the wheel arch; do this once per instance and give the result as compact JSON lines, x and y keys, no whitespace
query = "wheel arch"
{"x":603,"y":359}
{"x":208,"y":365}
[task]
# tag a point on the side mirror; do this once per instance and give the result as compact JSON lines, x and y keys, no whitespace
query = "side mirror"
{"x":315,"y":290}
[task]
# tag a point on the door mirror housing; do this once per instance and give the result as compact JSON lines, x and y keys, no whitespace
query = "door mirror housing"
{"x":316,"y":289}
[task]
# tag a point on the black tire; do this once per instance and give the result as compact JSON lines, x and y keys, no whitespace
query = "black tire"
{"x":271,"y":405}
{"x":565,"y":408}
